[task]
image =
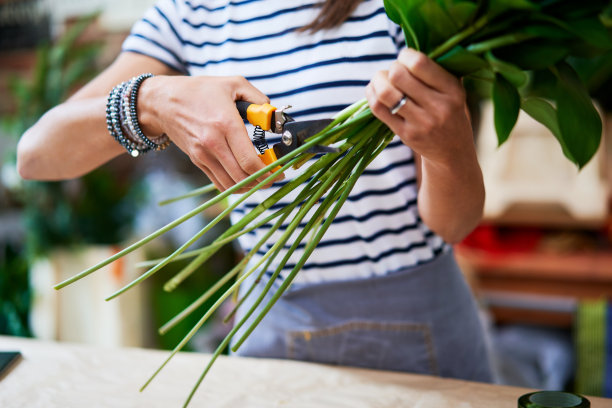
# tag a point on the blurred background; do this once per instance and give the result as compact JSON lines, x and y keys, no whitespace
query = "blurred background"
{"x":540,"y":264}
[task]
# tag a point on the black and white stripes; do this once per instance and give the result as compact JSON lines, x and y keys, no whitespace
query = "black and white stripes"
{"x":378,"y":230}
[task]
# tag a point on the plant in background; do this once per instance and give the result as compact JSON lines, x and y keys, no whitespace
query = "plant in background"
{"x":501,"y":43}
{"x":97,"y":208}
{"x":14,"y":292}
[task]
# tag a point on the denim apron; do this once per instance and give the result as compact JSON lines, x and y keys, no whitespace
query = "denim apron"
{"x":420,"y":320}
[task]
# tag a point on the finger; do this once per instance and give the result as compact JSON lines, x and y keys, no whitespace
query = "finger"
{"x":427,"y":70}
{"x":381,"y":110}
{"x":421,"y":94}
{"x":245,"y":91}
{"x":390,"y":96}
{"x":243,"y":152}
{"x":210,"y":176}
{"x":220,"y":174}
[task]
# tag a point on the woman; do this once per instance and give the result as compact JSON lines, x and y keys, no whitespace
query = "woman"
{"x":382,"y":290}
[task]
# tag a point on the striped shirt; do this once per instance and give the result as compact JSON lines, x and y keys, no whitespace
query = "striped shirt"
{"x":378,"y":230}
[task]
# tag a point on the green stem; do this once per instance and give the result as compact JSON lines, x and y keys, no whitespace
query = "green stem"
{"x":200,"y":301}
{"x":497,"y":42}
{"x":460,"y":36}
{"x":310,"y":143}
{"x":345,"y":192}
{"x":253,"y":214}
{"x":227,"y":339}
{"x":193,"y":193}
{"x":197,"y":236}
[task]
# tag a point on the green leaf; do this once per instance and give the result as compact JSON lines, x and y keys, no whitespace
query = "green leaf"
{"x":579,"y":121}
{"x":506,"y":106}
{"x":543,"y":111}
{"x":461,"y":62}
{"x":440,"y":25}
{"x":592,"y":31}
{"x":405,"y":14}
{"x":497,"y":7}
{"x":512,"y":73}
{"x":533,"y":55}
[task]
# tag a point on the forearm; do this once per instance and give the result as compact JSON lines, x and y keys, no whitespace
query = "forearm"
{"x":68,"y":141}
{"x":451,"y":196}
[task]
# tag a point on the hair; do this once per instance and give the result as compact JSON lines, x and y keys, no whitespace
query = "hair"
{"x":333,"y":13}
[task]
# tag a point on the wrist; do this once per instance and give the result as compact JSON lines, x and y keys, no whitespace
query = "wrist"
{"x":150,"y":113}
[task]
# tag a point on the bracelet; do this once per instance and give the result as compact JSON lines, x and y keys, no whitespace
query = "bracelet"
{"x":122,"y":119}
{"x":113,"y":120}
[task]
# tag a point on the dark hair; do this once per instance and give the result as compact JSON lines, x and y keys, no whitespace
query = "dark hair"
{"x":333,"y":13}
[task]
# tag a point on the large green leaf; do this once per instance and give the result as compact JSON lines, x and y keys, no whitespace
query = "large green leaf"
{"x":461,"y":62}
{"x":406,"y":14}
{"x":543,"y":111}
{"x":506,"y":107}
{"x":533,"y":55}
{"x":497,"y":7}
{"x":512,"y":73}
{"x":579,"y":121}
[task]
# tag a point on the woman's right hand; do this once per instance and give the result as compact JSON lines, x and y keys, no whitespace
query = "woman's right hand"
{"x":199,"y":115}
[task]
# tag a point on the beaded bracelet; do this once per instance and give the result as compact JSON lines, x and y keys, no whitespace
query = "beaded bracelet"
{"x":122,"y":119}
{"x":113,"y":120}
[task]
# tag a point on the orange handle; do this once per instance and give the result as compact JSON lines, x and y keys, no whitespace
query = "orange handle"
{"x":269,"y":157}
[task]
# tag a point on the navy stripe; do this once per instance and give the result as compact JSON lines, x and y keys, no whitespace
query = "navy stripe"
{"x":160,"y":59}
{"x":149,"y":22}
{"x":366,"y":172}
{"x":352,"y":198}
{"x":353,"y":261}
{"x":321,"y":85}
{"x":355,"y":238}
{"x":231,"y":3}
{"x":291,"y":10}
{"x":361,"y":58}
{"x":328,"y":41}
{"x":252,"y":19}
{"x":261,"y":37}
{"x":239,"y":40}
{"x":162,"y":47}
{"x":348,"y":218}
{"x":176,"y":34}
{"x":319,"y":109}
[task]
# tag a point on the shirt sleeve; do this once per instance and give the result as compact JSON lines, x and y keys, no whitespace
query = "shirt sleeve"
{"x":156,"y":35}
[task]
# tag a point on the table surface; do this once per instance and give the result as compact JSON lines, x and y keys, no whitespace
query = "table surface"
{"x":70,"y":375}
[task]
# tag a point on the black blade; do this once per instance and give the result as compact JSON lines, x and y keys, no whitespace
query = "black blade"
{"x":300,"y":131}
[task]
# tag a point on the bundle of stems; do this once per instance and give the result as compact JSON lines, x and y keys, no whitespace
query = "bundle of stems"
{"x":491,"y":41}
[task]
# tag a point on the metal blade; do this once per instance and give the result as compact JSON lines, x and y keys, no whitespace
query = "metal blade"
{"x":323,"y":149}
{"x":295,"y":133}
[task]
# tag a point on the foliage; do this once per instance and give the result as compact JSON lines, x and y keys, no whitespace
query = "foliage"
{"x":506,"y":42}
{"x":97,"y":208}
{"x":14,"y":293}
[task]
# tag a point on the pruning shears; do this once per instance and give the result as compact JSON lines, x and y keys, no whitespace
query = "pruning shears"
{"x":293,"y":133}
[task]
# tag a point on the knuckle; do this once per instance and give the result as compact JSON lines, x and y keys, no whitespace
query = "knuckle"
{"x":239,"y":80}
{"x":386,"y":93}
{"x":419,"y":62}
{"x":395,"y":73}
{"x":444,"y":112}
{"x":249,"y":164}
{"x":427,"y":126}
{"x":376,"y":106}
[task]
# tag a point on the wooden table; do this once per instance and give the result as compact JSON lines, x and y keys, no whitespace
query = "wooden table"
{"x":68,"y":375}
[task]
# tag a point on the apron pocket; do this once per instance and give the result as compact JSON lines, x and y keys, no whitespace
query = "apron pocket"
{"x":397,"y":346}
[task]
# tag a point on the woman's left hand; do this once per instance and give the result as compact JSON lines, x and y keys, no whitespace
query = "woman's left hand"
{"x":433,"y":122}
